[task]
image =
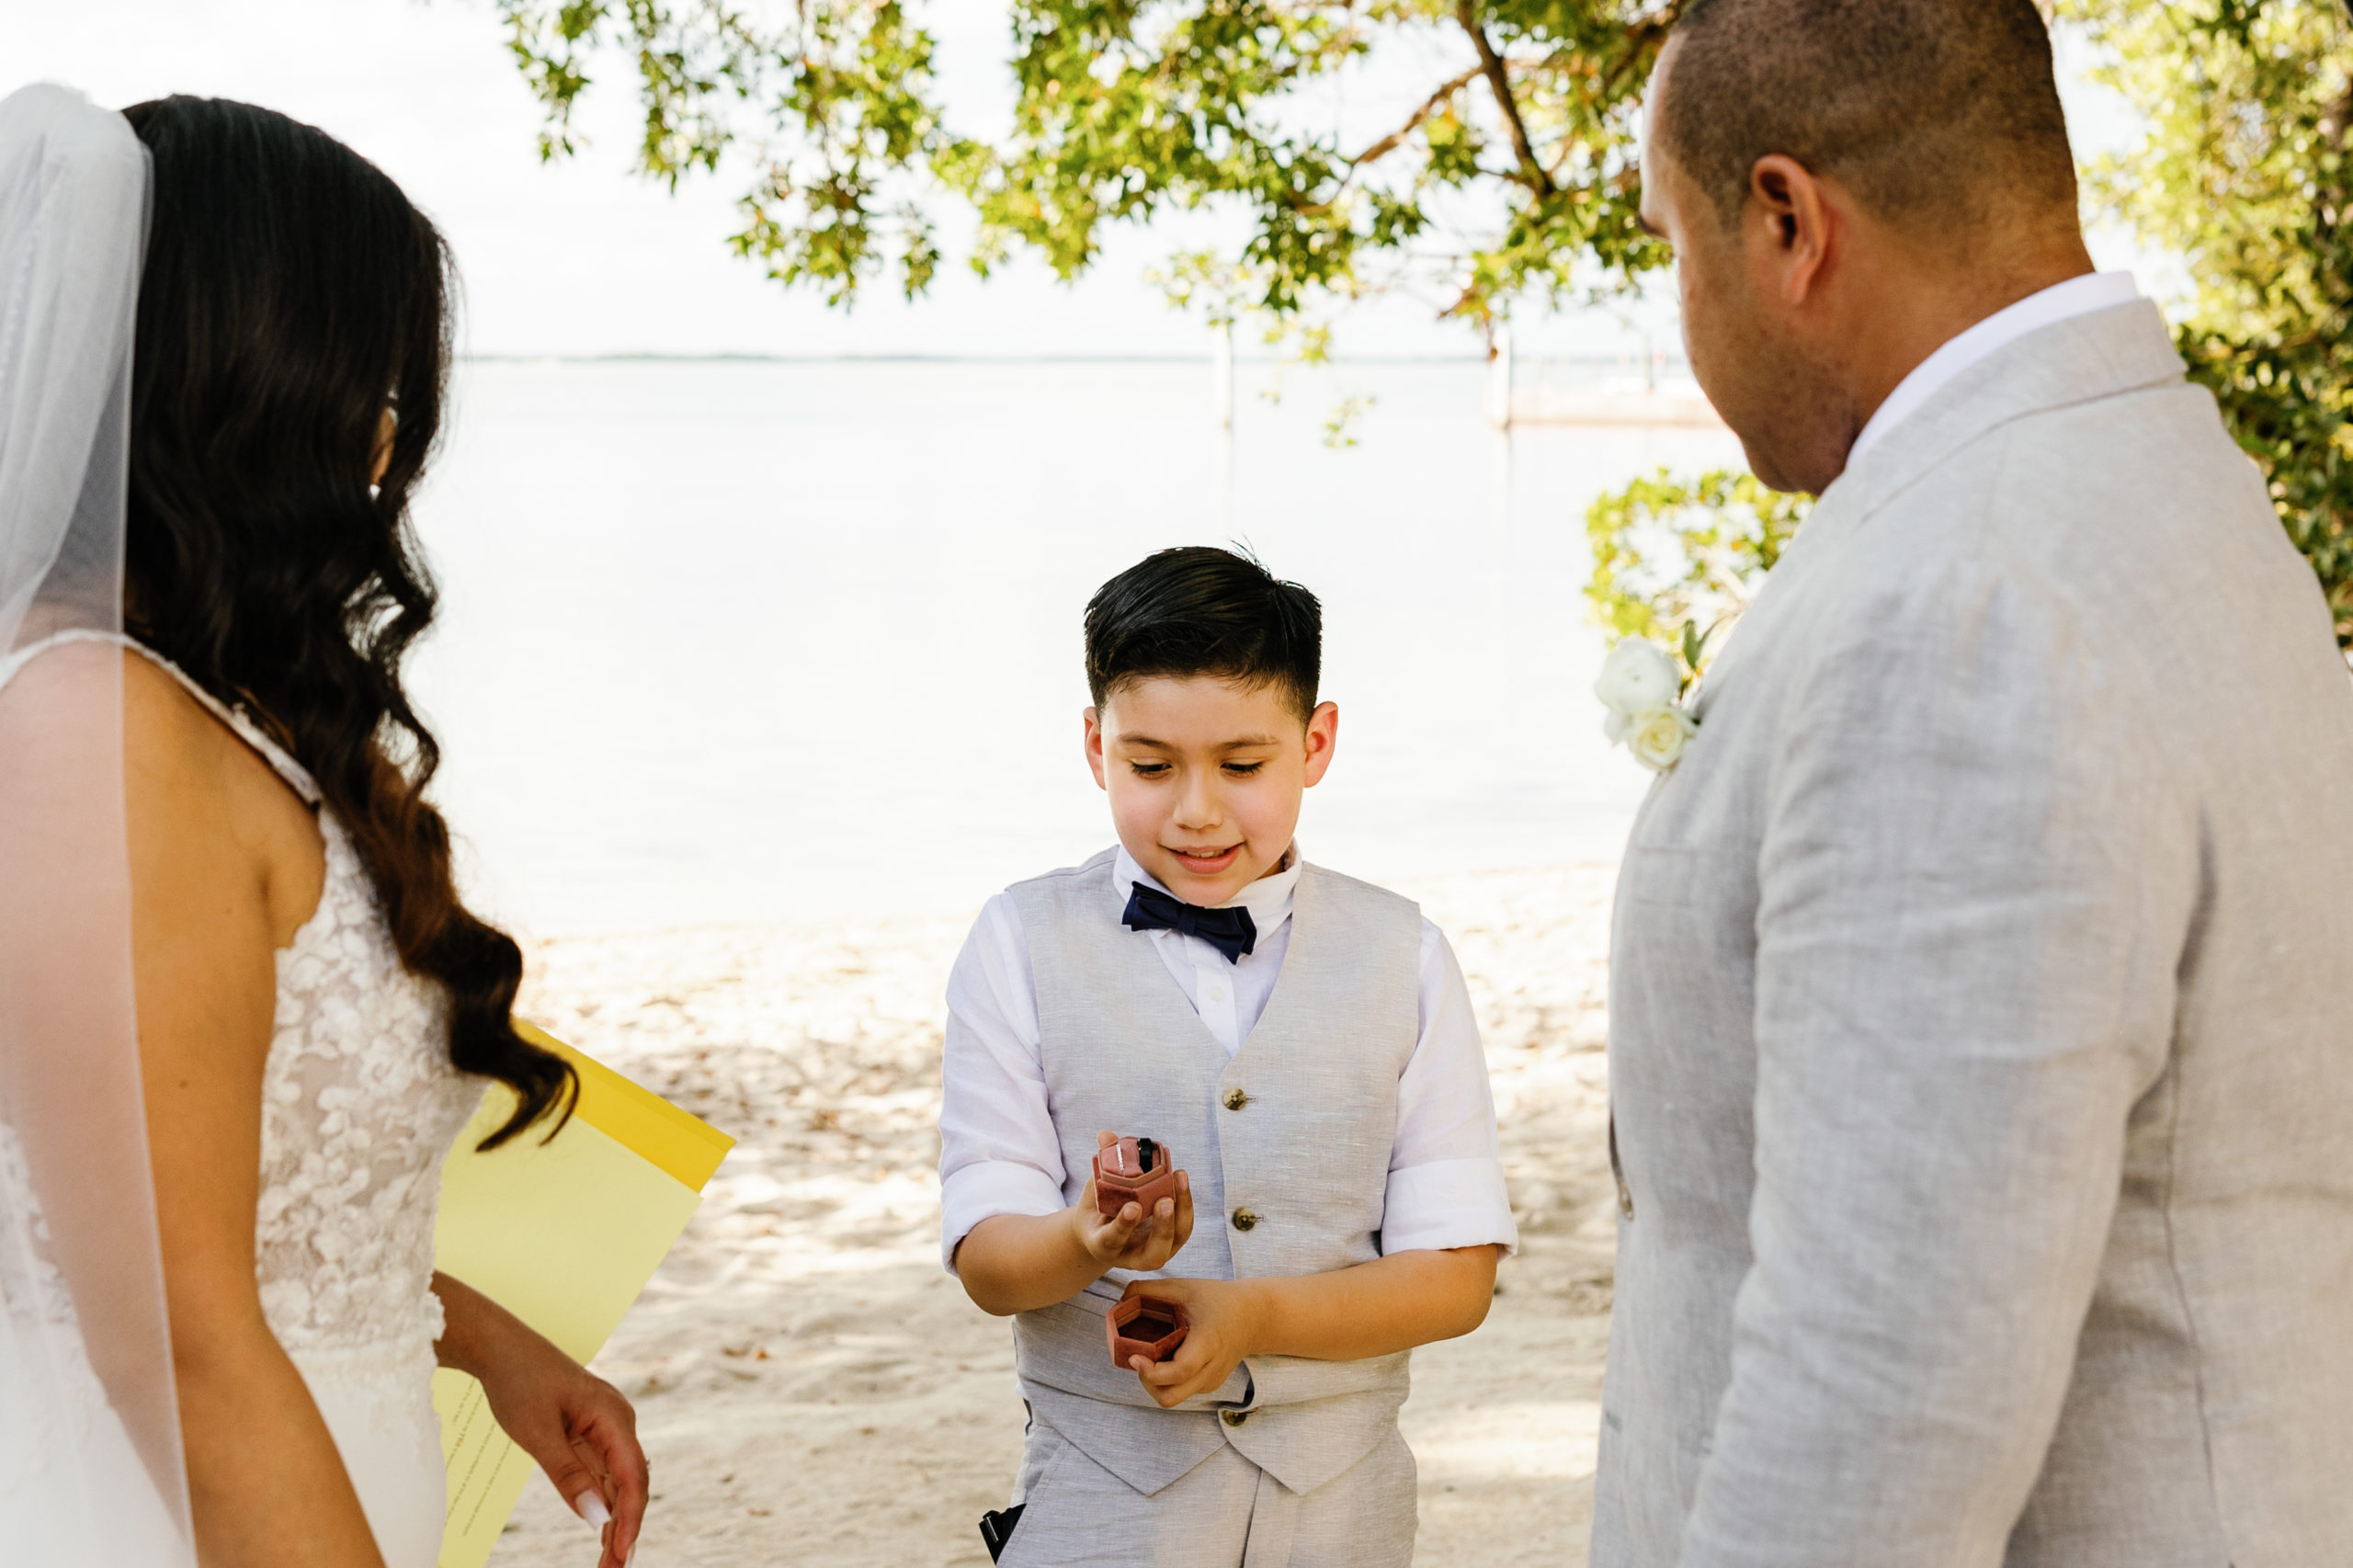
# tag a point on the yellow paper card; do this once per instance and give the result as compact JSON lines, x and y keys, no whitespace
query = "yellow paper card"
{"x":563,"y":1233}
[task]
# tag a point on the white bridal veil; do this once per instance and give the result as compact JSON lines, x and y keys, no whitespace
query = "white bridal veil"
{"x":90,"y":1464}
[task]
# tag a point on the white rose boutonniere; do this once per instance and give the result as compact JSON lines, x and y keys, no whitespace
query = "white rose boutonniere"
{"x":1657,"y":738}
{"x":1642,"y":690}
{"x":1637,"y":677}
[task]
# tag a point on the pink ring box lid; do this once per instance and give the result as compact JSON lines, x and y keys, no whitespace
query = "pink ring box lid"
{"x":1133,"y":1170}
{"x":1145,"y":1326}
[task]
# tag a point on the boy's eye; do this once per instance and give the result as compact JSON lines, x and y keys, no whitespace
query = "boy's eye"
{"x":1244,"y":769}
{"x":1149,"y":769}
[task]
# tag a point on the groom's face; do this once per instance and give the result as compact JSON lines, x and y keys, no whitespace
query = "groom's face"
{"x":1750,"y":349}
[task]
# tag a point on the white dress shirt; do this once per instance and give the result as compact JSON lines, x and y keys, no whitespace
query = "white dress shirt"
{"x":2077,"y":297}
{"x":998,"y":1150}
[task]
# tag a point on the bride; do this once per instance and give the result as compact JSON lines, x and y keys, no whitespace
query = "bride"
{"x":244,"y":1012}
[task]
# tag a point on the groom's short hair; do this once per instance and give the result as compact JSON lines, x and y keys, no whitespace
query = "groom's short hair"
{"x":1940,"y":115}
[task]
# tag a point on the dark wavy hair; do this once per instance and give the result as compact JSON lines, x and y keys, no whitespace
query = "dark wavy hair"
{"x":291,"y":294}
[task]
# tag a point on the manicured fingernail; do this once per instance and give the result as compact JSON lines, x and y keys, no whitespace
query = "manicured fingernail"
{"x":590,"y":1505}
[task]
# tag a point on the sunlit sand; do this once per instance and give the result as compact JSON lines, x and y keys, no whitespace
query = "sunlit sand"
{"x":812,"y":1388}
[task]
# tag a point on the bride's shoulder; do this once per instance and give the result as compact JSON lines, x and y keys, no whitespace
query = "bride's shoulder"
{"x":198,"y":794}
{"x":170,"y":737}
{"x":156,"y":707}
{"x":59,"y":697}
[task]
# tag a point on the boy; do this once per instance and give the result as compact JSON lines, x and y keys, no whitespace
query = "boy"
{"x":1335,"y":1133}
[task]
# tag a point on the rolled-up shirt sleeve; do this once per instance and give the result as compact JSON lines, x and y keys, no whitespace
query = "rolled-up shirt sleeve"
{"x":1445,"y":1175}
{"x":998,"y":1152}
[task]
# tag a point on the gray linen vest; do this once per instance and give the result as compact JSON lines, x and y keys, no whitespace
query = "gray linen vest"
{"x":1307,"y":1151}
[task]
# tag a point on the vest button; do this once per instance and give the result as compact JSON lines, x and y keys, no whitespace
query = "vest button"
{"x":1236,"y":1099}
{"x":1245,"y":1218}
{"x":1234,"y":1417}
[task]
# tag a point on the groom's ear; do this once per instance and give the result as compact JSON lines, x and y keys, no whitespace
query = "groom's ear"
{"x":1792,"y":227}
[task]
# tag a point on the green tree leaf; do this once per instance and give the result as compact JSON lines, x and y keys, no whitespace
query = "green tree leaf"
{"x":1513,"y":176}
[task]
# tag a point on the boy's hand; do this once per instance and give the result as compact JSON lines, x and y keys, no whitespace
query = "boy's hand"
{"x":1018,"y":1262}
{"x":1226,"y":1322}
{"x":1133,"y":1238}
{"x":1379,"y":1308}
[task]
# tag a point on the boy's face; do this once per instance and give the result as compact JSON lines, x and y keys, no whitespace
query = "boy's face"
{"x":1205,"y":778}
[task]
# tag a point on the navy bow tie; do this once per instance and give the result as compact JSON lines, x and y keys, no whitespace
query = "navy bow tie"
{"x":1231,"y":930}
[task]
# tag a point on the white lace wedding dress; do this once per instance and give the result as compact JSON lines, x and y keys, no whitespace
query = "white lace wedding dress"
{"x":359,"y":1105}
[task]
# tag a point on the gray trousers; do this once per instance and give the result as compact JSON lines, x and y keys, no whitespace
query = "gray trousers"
{"x":1223,"y":1513}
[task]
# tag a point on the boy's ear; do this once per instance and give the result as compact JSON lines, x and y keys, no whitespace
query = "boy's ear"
{"x":1093,"y":744}
{"x":1323,"y":739}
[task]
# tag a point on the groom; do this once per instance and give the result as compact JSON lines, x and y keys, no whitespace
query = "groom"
{"x":1983,"y":990}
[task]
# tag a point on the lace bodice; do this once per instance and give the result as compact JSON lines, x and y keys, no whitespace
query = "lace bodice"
{"x":359,"y":1105}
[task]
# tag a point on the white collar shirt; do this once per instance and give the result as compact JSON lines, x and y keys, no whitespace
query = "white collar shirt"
{"x":1001,"y":1153}
{"x":1229,"y":994}
{"x":2077,"y":297}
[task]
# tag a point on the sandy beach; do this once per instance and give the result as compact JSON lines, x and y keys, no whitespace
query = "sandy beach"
{"x":812,"y":1388}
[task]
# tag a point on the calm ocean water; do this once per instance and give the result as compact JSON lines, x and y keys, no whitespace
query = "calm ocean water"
{"x":732,"y":642}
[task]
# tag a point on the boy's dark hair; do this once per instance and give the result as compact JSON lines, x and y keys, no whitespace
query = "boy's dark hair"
{"x":1198,"y":611}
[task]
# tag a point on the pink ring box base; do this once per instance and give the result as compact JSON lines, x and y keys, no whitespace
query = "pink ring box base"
{"x":1133,"y":1170}
{"x":1145,"y":1326}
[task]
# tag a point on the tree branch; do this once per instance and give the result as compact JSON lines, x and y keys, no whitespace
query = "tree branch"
{"x":1437,"y":101}
{"x":1491,"y":65}
{"x":1639,"y":37}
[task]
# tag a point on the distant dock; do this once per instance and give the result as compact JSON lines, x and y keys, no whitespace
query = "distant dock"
{"x":1650,"y":391}
{"x":1685,"y":407}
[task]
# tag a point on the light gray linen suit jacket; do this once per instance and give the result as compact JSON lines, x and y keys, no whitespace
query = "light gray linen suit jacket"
{"x":1982,"y":1018}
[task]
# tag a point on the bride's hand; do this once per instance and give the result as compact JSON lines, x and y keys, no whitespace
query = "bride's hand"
{"x":578,"y":1427}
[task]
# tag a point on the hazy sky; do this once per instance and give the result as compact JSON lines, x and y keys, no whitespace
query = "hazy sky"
{"x":582,"y":257}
